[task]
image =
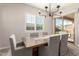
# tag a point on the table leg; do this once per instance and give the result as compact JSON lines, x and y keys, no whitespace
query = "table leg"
{"x":35,"y":51}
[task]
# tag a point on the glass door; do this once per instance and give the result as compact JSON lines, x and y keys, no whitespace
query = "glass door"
{"x":58,"y":25}
{"x":66,"y":25}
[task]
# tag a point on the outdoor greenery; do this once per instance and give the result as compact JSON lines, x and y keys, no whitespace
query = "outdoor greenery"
{"x":57,"y":30}
{"x":39,"y":26}
{"x":31,"y":26}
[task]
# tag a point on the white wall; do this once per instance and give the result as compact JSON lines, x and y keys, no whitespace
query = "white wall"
{"x":77,"y":28}
{"x":13,"y":22}
{"x":0,"y":28}
{"x":2,"y":32}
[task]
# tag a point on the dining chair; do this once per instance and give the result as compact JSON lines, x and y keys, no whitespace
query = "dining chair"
{"x":63,"y":44}
{"x":34,"y":35}
{"x":18,"y":50}
{"x":44,"y":33}
{"x":53,"y":47}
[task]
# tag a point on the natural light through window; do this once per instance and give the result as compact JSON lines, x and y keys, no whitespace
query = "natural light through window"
{"x":66,"y":24}
{"x":39,"y":22}
{"x":34,"y":22}
{"x":58,"y":27}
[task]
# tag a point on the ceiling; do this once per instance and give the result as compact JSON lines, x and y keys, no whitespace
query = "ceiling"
{"x":42,"y":5}
{"x":53,"y":5}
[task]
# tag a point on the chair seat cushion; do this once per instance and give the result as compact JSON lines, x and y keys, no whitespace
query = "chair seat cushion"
{"x":20,"y":44}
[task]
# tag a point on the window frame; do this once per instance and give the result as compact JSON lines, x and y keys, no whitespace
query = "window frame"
{"x":63,"y":22}
{"x":34,"y":24}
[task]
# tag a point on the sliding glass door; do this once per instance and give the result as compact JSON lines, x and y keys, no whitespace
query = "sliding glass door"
{"x":58,"y":25}
{"x":66,"y":25}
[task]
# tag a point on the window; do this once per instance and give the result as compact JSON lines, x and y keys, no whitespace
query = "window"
{"x":30,"y":22}
{"x":34,"y":22}
{"x":39,"y":22}
{"x":68,"y":27}
{"x":58,"y":27}
{"x":67,"y":23}
{"x":62,"y":25}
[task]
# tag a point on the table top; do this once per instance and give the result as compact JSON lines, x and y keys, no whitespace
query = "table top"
{"x":37,"y":41}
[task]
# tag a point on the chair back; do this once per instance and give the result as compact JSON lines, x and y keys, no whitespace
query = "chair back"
{"x":44,"y":33}
{"x":34,"y":35}
{"x":12,"y":42}
{"x":53,"y":45}
{"x":63,"y":45}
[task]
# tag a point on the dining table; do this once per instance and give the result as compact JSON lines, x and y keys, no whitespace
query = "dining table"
{"x":35,"y":43}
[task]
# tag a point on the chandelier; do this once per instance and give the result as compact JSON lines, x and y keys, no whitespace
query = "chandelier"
{"x":49,"y":12}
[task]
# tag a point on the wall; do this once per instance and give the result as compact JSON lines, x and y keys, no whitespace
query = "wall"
{"x":13,"y":22}
{"x":77,"y":28}
{"x":2,"y":32}
{"x":0,"y":28}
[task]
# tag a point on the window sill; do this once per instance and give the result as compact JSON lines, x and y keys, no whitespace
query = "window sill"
{"x":32,"y":31}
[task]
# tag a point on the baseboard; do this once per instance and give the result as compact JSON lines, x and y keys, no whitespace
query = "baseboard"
{"x":4,"y":48}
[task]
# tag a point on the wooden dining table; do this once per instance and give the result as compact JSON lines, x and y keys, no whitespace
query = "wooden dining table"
{"x":35,"y":43}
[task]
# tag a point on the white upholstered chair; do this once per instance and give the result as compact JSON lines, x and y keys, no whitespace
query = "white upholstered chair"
{"x":34,"y":35}
{"x":44,"y":33}
{"x":18,"y":51}
{"x":63,"y":44}
{"x":53,"y":47}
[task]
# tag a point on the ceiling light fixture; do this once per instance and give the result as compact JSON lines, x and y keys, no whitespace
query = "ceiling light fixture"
{"x":50,"y":12}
